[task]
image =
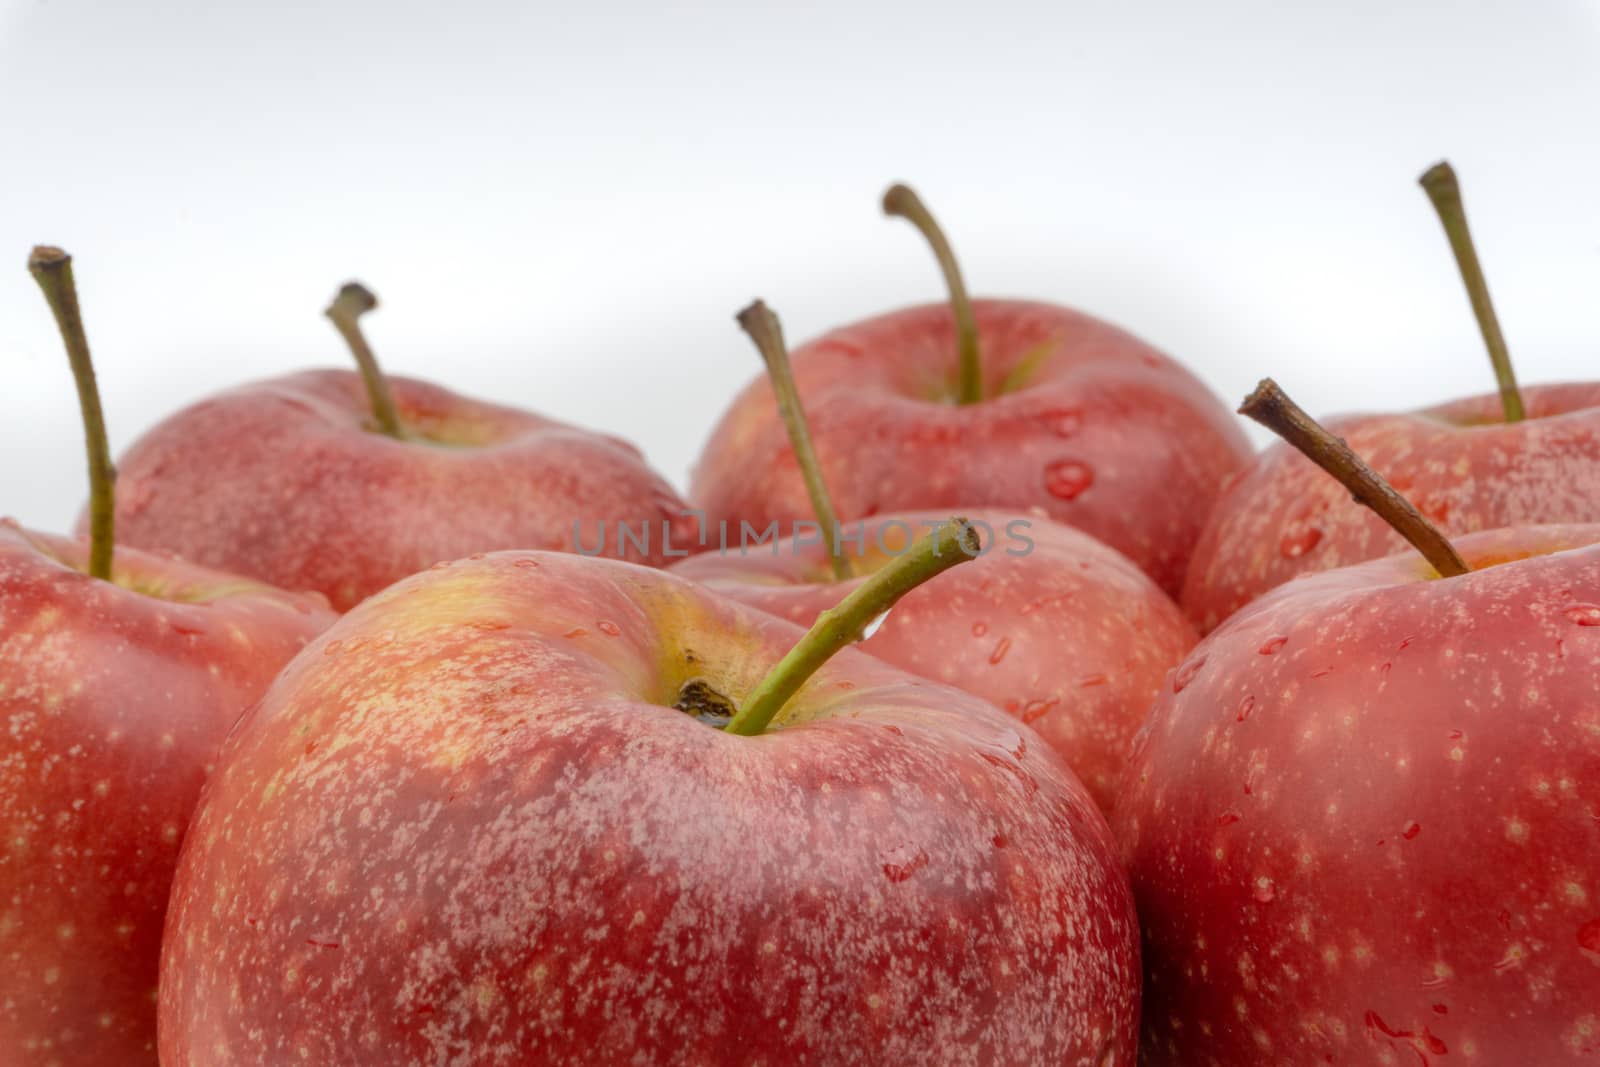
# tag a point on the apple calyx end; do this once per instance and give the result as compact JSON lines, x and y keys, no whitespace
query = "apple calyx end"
{"x":47,"y":258}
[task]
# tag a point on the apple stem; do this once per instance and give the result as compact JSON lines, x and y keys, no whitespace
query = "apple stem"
{"x":766,"y":331}
{"x":1439,"y":182}
{"x":1271,"y":407}
{"x":52,"y":269}
{"x":355,"y":300}
{"x":900,"y":200}
{"x":952,"y":543}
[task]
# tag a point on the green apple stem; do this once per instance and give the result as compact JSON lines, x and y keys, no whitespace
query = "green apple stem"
{"x":355,"y":300}
{"x":953,"y":543}
{"x":766,"y":331}
{"x":1439,"y":182}
{"x":1271,"y":407}
{"x":902,"y":201}
{"x":52,"y":269}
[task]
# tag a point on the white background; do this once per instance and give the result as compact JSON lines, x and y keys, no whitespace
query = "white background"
{"x":562,"y":205}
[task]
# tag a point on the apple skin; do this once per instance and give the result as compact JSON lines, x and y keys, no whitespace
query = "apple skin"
{"x":283,"y":480}
{"x":1363,"y":825}
{"x":1103,"y":433}
{"x":115,"y":703}
{"x":1460,"y":463}
{"x":1071,"y":637}
{"x":464,"y":826}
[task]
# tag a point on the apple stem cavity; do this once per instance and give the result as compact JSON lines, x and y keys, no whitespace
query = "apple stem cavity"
{"x":1271,"y":407}
{"x":1439,"y":182}
{"x":766,"y":331}
{"x":355,"y":300}
{"x":901,"y":201}
{"x":52,"y":269}
{"x":952,"y":543}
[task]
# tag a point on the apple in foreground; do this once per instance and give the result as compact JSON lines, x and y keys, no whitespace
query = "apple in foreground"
{"x":1049,"y":624}
{"x":343,"y":483}
{"x":990,"y":403}
{"x":1366,"y":827}
{"x":491,"y":818}
{"x":120,"y":674}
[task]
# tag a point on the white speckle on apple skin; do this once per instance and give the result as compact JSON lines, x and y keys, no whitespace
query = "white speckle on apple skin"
{"x":486,"y":842}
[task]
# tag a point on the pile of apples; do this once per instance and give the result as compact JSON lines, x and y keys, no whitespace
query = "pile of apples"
{"x":366,"y":723}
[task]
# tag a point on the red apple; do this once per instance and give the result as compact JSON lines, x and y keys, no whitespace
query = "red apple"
{"x":116,"y":691}
{"x":292,"y":481}
{"x":1070,"y":415}
{"x":116,"y":696}
{"x":1049,"y":624}
{"x":468,"y":826}
{"x":1366,"y":828}
{"x":1463,"y":466}
{"x":1363,"y":825}
{"x":1522,"y":456}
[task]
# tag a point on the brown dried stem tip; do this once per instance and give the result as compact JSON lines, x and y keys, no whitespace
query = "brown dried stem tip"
{"x":1271,"y":407}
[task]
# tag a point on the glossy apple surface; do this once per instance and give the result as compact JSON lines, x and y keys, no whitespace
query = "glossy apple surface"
{"x":1364,"y":824}
{"x":1460,"y":463}
{"x":114,"y":698}
{"x":285,"y":480}
{"x":1049,"y":624}
{"x":1080,"y":419}
{"x":468,"y":825}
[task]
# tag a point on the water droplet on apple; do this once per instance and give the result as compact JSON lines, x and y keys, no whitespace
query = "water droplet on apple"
{"x":332,"y":647}
{"x":525,"y":563}
{"x":1228,"y":818}
{"x":1265,"y":891}
{"x":609,"y":628}
{"x":1067,"y":478}
{"x":1272,"y":645}
{"x":1589,"y":939}
{"x":1584,"y":614}
{"x":1186,"y":673}
{"x":1295,"y":545}
{"x":1000,"y":650}
{"x":979,"y":629}
{"x":1411,"y":830}
{"x":1091,"y":680}
{"x":1246,"y":706}
{"x":1067,"y":423}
